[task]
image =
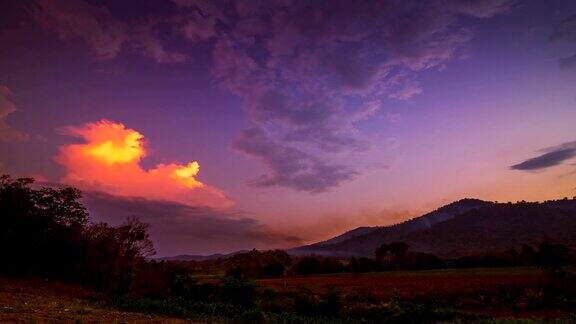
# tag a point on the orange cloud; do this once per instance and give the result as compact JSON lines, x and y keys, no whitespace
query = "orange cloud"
{"x":109,"y":161}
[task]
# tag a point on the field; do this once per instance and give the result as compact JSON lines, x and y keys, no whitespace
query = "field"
{"x":413,"y":283}
{"x":494,"y":292}
{"x":39,"y":301}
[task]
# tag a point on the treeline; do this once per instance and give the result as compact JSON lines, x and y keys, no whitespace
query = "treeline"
{"x":45,"y":232}
{"x":388,"y":257}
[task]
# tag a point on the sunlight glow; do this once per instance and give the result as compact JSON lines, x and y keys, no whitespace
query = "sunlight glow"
{"x":109,"y":161}
{"x":125,"y":151}
{"x":186,"y":174}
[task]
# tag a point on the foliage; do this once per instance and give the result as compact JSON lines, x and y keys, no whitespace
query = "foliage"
{"x":40,"y":230}
{"x":45,"y":232}
{"x":258,"y":264}
{"x":552,"y":257}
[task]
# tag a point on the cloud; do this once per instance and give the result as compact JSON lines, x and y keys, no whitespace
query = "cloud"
{"x":306,"y":71}
{"x":393,"y":118}
{"x":290,"y":167}
{"x":182,"y":229}
{"x":7,"y":107}
{"x":406,"y":92}
{"x":480,"y":8}
{"x":78,"y":19}
{"x":552,"y":156}
{"x":105,"y":35}
{"x":566,"y":32}
{"x":109,"y":161}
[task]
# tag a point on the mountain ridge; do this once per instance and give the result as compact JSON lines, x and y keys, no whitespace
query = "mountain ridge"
{"x":463,"y":227}
{"x":421,"y":222}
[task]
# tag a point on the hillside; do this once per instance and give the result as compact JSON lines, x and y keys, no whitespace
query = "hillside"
{"x":464,"y":227}
{"x":195,"y":257}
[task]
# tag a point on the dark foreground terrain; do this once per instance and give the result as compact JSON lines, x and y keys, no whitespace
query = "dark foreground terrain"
{"x":488,"y":295}
{"x":40,"y":301}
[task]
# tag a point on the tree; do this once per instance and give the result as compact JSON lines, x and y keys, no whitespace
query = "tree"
{"x":552,"y":257}
{"x":113,"y":254}
{"x":40,"y":229}
{"x":394,"y":254}
{"x":45,"y":232}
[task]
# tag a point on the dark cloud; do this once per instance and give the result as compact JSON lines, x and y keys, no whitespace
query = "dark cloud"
{"x":107,"y":35}
{"x":306,"y":71}
{"x":290,"y":167}
{"x":566,"y":32}
{"x":181,"y":229}
{"x":552,"y":157}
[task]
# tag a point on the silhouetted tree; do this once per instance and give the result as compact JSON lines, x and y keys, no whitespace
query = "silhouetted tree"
{"x":257,"y":264}
{"x":552,"y":257}
{"x":40,"y":230}
{"x":114,"y":253}
{"x":45,"y":232}
{"x":393,"y":254}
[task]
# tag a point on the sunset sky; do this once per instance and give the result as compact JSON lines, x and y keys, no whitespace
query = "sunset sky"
{"x":232,"y":125}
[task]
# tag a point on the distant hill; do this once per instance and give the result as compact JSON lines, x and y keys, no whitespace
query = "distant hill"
{"x":193,"y":257}
{"x":461,"y":228}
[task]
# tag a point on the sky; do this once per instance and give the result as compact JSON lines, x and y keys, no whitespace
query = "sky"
{"x":231,"y":125}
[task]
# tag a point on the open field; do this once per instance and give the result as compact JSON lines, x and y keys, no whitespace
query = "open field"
{"x":413,"y":283}
{"x":38,"y":301}
{"x":482,"y":291}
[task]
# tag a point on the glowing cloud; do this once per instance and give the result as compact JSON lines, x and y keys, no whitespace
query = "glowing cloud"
{"x":109,"y":162}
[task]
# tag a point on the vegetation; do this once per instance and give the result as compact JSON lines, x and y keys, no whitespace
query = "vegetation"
{"x":46,"y":233}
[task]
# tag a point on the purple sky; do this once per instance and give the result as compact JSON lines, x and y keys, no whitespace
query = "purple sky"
{"x":307,"y":118}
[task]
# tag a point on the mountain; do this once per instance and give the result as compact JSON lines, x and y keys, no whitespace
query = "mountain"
{"x":367,"y":237}
{"x":461,"y":228}
{"x":348,"y":235}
